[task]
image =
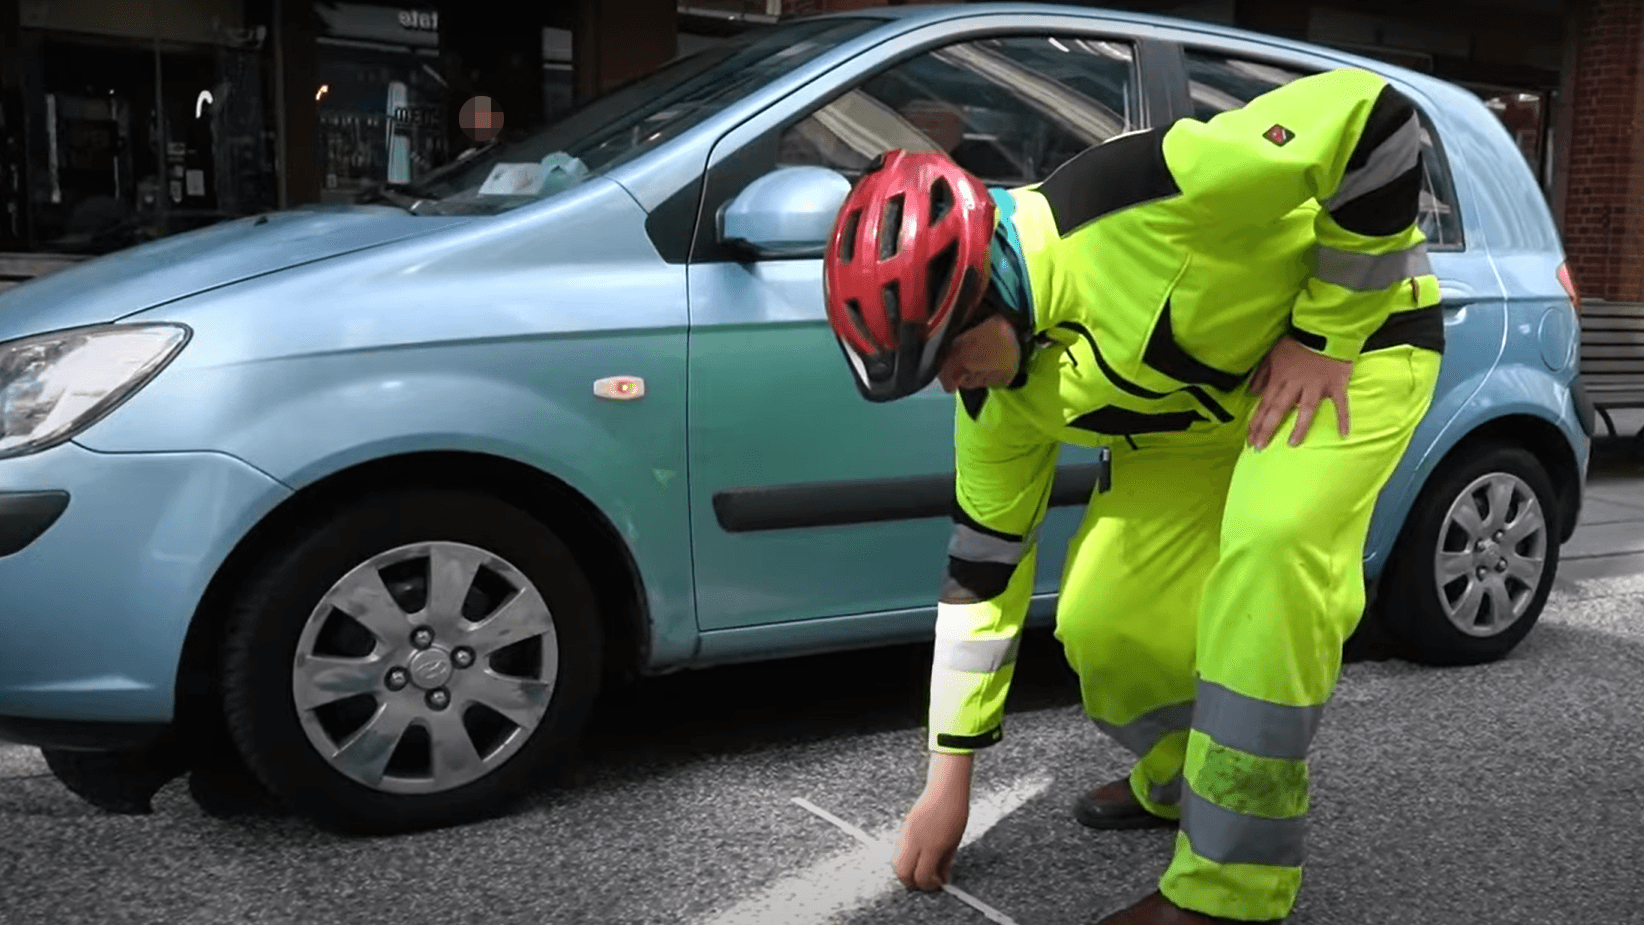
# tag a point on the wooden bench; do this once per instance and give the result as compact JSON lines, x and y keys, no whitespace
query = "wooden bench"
{"x":1612,"y":356}
{"x":20,"y":268}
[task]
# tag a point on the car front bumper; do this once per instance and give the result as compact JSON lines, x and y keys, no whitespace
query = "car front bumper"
{"x":104,"y":558}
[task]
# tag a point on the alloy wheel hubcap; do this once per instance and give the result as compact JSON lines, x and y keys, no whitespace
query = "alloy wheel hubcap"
{"x":425,"y":668}
{"x":1492,"y":554}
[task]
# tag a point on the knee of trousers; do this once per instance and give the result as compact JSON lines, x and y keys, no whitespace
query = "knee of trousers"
{"x":1113,"y":644}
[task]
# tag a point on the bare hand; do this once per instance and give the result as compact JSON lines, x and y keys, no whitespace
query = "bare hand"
{"x":930,"y":839}
{"x":1294,"y":377}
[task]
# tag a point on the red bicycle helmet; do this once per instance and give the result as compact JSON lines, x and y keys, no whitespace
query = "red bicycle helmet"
{"x":906,"y":268}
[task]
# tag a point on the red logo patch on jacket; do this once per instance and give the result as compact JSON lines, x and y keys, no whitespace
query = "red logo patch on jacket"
{"x":1279,"y":135}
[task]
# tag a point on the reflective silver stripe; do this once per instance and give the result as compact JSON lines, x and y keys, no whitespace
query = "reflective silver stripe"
{"x":1396,"y":154}
{"x":979,"y":656}
{"x":1372,"y":272}
{"x":973,"y":545}
{"x":1227,"y":837}
{"x":1140,"y":735}
{"x":1168,"y":793}
{"x":1270,"y":730}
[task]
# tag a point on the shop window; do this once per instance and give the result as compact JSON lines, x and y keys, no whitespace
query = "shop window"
{"x":381,"y":119}
{"x":129,"y":143}
{"x":1009,"y":110}
{"x":1217,"y":83}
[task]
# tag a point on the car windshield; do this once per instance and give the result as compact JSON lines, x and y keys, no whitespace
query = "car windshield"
{"x":621,"y":124}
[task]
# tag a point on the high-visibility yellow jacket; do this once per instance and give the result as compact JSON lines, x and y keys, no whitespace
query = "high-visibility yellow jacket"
{"x":1157,"y":270}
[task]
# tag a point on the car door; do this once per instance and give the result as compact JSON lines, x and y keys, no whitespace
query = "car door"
{"x":808,"y":501}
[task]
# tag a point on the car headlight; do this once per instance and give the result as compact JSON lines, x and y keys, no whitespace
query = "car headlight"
{"x":54,"y":385}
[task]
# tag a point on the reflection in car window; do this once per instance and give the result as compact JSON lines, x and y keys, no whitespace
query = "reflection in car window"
{"x":633,"y":118}
{"x":1217,"y":83}
{"x":1009,"y":110}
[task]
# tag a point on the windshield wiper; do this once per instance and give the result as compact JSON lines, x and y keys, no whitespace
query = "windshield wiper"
{"x":408,"y":195}
{"x":390,"y":193}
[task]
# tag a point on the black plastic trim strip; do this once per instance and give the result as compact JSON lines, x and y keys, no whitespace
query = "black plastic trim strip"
{"x":1586,"y":411}
{"x":672,"y":223}
{"x":833,"y":504}
{"x":79,"y":735}
{"x":24,"y":516}
{"x":1166,"y":94}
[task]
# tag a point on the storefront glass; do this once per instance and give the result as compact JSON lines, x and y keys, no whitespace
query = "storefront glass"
{"x":127,"y":138}
{"x":382,"y":100}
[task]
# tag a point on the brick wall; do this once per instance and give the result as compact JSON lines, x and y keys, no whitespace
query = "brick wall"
{"x":1604,"y":208}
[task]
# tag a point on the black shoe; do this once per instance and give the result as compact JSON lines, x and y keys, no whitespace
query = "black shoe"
{"x":1113,"y":806}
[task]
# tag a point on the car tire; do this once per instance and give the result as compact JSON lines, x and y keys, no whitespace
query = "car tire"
{"x":350,"y":757}
{"x":1474,"y":616}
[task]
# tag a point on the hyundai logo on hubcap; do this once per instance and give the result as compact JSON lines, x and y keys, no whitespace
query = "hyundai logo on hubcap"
{"x":430,"y":668}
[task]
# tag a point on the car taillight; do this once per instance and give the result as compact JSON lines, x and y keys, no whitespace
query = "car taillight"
{"x":1569,"y":286}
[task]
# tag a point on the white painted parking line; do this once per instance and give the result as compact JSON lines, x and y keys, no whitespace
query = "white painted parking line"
{"x":861,"y":836}
{"x":849,"y":882}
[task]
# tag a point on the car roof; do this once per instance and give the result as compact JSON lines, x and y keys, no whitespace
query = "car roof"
{"x":917,"y":15}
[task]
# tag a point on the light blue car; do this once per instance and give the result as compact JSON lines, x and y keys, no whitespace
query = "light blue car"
{"x":376,"y":498}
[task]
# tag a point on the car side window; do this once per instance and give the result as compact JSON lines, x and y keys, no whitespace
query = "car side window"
{"x":1010,"y":110}
{"x":1218,"y":83}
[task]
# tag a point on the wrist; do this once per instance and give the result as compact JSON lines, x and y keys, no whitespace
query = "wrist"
{"x":949,"y":775}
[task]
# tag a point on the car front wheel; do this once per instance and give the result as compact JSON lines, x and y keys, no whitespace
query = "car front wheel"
{"x":1475,"y":561}
{"x":413,"y":661}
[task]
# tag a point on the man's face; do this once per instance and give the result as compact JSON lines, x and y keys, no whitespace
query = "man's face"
{"x":985,"y":357}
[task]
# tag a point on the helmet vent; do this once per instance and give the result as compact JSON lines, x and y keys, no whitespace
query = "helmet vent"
{"x":940,"y":272}
{"x":941,"y":200}
{"x":970,"y":291}
{"x":893,"y":304}
{"x":853,"y":310}
{"x":890,"y":230}
{"x":847,"y":237}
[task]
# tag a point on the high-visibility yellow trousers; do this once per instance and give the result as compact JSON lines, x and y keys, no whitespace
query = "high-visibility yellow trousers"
{"x":1204,"y":604}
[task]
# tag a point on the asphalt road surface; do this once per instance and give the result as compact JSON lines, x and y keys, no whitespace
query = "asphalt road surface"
{"x":1507,"y":794}
{"x":1510,"y":793}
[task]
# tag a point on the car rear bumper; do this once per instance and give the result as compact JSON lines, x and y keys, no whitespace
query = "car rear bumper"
{"x":1586,"y":411}
{"x":79,"y":735}
{"x":113,"y":553}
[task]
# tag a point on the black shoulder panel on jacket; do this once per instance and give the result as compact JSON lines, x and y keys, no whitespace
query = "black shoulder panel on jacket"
{"x":1389,"y":113}
{"x":1386,"y":210}
{"x":1117,"y":174}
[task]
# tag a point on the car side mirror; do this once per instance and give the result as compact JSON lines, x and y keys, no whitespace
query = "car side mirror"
{"x":788,"y":212}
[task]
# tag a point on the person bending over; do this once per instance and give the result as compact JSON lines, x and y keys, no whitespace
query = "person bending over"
{"x":1181,"y":295}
